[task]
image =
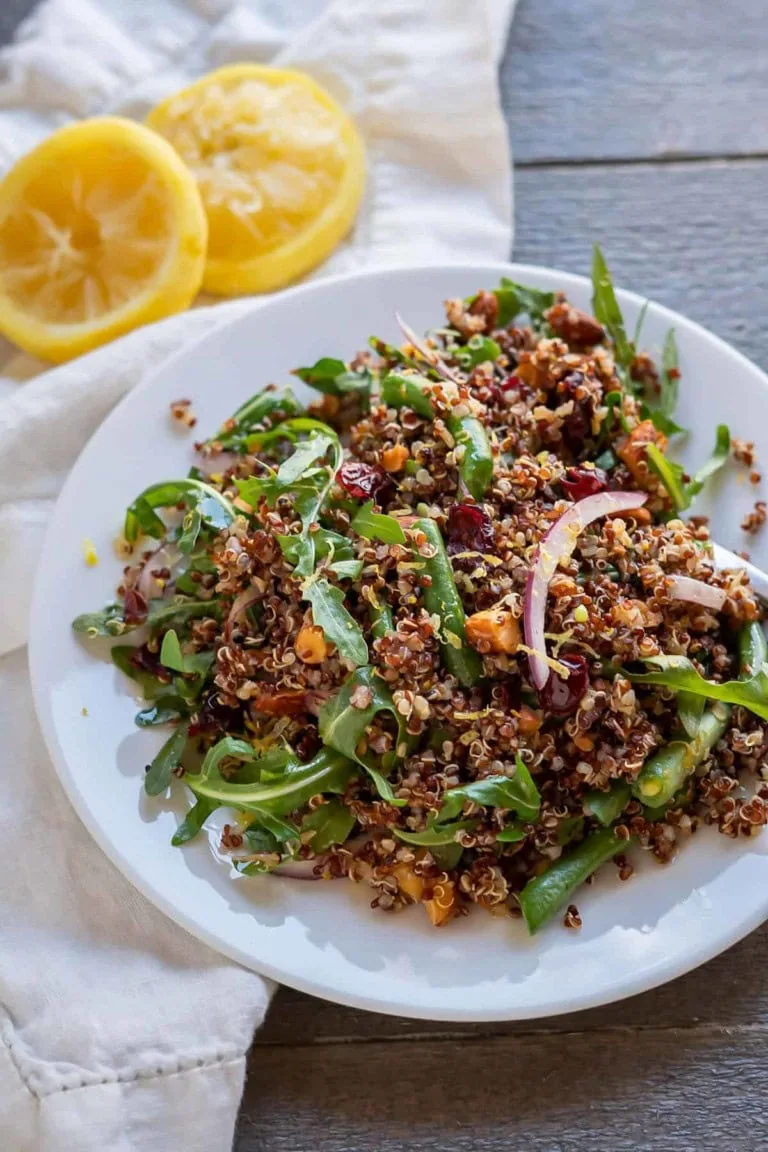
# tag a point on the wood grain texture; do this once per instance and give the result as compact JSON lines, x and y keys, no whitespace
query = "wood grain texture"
{"x":655,"y":1090}
{"x":601,"y":79}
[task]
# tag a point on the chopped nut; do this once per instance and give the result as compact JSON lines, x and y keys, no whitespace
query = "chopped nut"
{"x":393,"y":459}
{"x":443,"y":903}
{"x":494,"y":630}
{"x":311,"y":646}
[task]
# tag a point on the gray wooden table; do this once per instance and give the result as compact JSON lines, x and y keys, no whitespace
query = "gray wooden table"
{"x":642,"y":124}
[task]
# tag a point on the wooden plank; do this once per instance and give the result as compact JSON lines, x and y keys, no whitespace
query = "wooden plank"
{"x":694,"y":237}
{"x":655,"y":1089}
{"x":639,"y":78}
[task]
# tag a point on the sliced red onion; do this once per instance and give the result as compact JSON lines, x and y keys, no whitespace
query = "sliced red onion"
{"x":430,"y":355}
{"x":166,"y":556}
{"x":557,"y":547}
{"x":240,"y":606}
{"x":696,"y":592}
{"x":218,"y":462}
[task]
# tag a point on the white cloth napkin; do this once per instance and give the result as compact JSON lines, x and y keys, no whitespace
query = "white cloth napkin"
{"x":119,"y":1031}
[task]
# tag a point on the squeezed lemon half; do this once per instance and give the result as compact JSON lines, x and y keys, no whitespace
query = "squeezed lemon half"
{"x":101,"y":230}
{"x":280,"y":168}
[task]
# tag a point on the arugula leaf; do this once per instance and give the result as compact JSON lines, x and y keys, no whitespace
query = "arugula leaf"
{"x":163,"y":711}
{"x":606,"y":309}
{"x":640,"y":322}
{"x":690,"y":710}
{"x":110,"y":622}
{"x":168,"y":758}
{"x":477,"y":350}
{"x":306,"y":453}
{"x":670,"y":474}
{"x":329,"y":613}
{"x":511,"y":834}
{"x":518,"y":793}
{"x":569,"y":829}
{"x":331,"y":823}
{"x":342,"y":725}
{"x":664,"y":423}
{"x":436,"y":835}
{"x":679,"y":674}
{"x":446,"y":856}
{"x":377,"y":526}
{"x":607,"y":806}
{"x":334,"y":377}
{"x":716,"y":461}
{"x":171,"y":655}
{"x":346,"y":569}
{"x":269,"y":404}
{"x":516,"y":300}
{"x":193,"y":822}
{"x":669,"y":376}
{"x":326,"y":772}
{"x":215,"y":510}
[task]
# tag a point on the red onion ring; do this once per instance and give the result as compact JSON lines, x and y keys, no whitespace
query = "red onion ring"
{"x":166,"y":556}
{"x":696,"y":592}
{"x":430,"y":355}
{"x":556,"y":547}
{"x":298,"y":869}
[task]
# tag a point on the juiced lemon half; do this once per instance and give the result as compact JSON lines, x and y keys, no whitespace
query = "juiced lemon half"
{"x":280,"y":168}
{"x":101,"y":229}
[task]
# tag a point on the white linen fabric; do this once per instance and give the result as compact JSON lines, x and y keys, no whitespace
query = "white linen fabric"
{"x":118,"y":1031}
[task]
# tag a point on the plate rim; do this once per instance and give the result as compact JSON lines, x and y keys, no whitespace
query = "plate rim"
{"x":663,"y":973}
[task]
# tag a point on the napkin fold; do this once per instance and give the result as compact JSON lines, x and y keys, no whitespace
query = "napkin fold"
{"x":119,"y":1031}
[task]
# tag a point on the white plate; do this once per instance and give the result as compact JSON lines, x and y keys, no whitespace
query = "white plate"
{"x":324,"y":938}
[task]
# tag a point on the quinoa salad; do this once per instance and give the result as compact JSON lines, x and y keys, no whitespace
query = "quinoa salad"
{"x":449,"y":630}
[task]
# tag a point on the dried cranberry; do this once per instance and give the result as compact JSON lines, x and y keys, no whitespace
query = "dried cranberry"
{"x":212,"y":718}
{"x":576,"y":428}
{"x":147,"y":661}
{"x":511,"y":384}
{"x":469,"y":529}
{"x":581,"y":482}
{"x":560,"y":697}
{"x":134,"y":606}
{"x":363,"y":481}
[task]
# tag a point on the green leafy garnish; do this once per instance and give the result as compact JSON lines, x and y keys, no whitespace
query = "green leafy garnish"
{"x":679,"y":674}
{"x":606,"y":807}
{"x":267,"y":406}
{"x":331,"y":823}
{"x":164,"y":710}
{"x":168,"y":758}
{"x":193,"y":822}
{"x":669,"y":375}
{"x":170,"y":653}
{"x":517,"y":300}
{"x":377,"y":526}
{"x":110,"y":622}
{"x":672,"y":474}
{"x":606,"y":310}
{"x":478,"y":350}
{"x":285,"y":790}
{"x":335,"y":378}
{"x":511,"y":834}
{"x":690,"y":709}
{"x":329,"y":613}
{"x":518,"y":793}
{"x":343,"y":725}
{"x":435,"y":835}
{"x":151,"y":685}
{"x":211,"y":509}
